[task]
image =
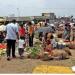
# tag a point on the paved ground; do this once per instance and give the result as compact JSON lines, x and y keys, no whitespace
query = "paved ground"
{"x":27,"y":65}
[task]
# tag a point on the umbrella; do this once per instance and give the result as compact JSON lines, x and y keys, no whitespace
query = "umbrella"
{"x":44,"y":29}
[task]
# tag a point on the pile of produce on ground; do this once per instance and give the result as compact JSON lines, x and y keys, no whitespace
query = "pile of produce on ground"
{"x":33,"y":52}
{"x":56,"y":54}
{"x":2,"y":49}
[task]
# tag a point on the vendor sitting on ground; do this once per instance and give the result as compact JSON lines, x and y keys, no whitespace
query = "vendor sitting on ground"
{"x":47,"y":43}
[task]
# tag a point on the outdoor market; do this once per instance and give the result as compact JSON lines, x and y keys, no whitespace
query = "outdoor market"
{"x":44,"y":44}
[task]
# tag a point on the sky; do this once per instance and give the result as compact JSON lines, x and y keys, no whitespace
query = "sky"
{"x":36,"y":7}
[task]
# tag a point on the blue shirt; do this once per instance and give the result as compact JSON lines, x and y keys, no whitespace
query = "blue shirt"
{"x":11,"y":30}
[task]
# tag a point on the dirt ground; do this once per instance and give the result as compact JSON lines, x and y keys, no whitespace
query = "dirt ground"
{"x":27,"y":65}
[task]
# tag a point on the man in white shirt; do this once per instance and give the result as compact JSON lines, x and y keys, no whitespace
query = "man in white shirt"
{"x":11,"y":36}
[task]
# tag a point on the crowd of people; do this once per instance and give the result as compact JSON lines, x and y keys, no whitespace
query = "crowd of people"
{"x":23,"y":34}
{"x":50,"y":39}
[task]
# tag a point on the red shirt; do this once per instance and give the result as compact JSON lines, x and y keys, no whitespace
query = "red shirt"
{"x":22,"y":31}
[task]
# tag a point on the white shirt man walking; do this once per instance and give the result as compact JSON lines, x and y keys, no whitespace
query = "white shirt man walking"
{"x":11,"y":36}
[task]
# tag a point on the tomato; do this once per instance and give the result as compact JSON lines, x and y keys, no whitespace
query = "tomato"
{"x":2,"y":46}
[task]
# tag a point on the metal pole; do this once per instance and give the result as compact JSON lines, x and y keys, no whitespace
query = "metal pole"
{"x":18,"y":14}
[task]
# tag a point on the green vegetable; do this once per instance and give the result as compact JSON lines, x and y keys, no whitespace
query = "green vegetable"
{"x":33,"y":52}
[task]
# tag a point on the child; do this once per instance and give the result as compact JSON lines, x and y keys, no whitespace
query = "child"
{"x":21,"y":47}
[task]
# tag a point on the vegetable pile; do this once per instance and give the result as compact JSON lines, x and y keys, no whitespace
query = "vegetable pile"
{"x":2,"y":49}
{"x":33,"y":52}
